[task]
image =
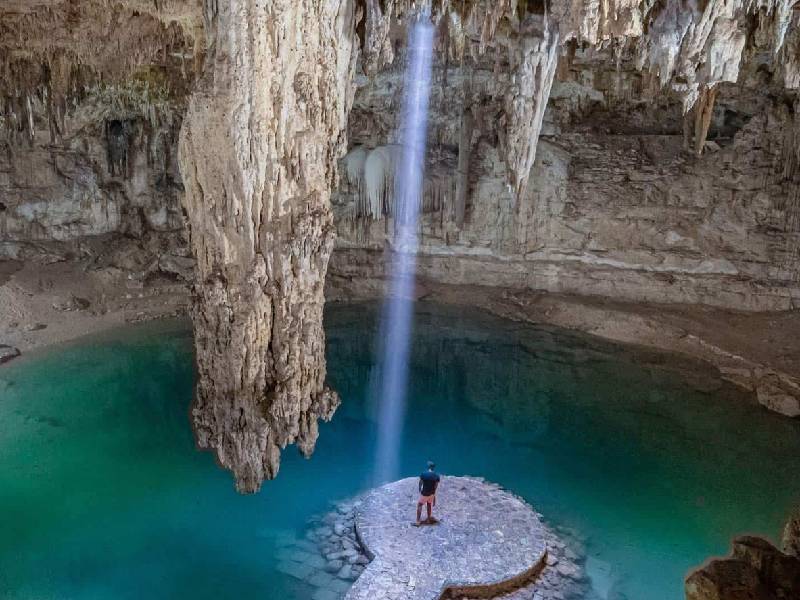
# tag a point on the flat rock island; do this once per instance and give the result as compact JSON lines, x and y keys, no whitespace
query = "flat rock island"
{"x":487,"y":540}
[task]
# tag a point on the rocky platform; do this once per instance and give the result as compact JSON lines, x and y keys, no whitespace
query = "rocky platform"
{"x":326,"y":559}
{"x":487,"y":540}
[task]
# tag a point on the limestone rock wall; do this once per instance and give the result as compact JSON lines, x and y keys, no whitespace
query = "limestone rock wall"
{"x":259,"y":149}
{"x":91,"y":104}
{"x":111,"y":176}
{"x":629,"y":197}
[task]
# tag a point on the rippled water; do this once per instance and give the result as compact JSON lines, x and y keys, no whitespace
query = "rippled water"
{"x":103,"y":495}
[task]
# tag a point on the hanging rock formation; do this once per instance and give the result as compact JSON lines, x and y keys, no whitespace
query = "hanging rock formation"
{"x":258,"y":155}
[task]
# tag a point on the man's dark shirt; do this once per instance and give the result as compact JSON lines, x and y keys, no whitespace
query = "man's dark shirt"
{"x":428,"y":481}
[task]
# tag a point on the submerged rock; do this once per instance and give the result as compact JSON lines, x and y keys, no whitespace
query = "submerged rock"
{"x":8,"y":353}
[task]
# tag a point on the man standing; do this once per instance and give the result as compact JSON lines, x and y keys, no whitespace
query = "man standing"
{"x":428,"y":482}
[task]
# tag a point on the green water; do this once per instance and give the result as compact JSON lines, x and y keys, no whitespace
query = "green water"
{"x":103,"y":495}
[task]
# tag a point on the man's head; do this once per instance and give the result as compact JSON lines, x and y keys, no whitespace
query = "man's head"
{"x":431,"y":466}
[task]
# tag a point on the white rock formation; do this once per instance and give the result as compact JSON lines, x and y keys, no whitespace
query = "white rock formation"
{"x":258,"y":155}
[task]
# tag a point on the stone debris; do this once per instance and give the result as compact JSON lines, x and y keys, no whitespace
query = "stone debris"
{"x":8,"y":353}
{"x":71,"y":304}
{"x":329,"y":557}
{"x":791,"y":535}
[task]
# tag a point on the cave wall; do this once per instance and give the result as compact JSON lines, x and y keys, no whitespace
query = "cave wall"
{"x":110,"y":178}
{"x":92,"y":96}
{"x":618,"y":203}
{"x":615,"y":206}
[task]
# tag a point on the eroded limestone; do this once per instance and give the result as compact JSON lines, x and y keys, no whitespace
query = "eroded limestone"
{"x":258,"y":156}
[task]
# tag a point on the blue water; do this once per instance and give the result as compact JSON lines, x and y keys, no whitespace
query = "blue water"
{"x":103,"y":494}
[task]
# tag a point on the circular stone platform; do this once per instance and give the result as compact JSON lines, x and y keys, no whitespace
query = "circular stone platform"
{"x":487,"y":540}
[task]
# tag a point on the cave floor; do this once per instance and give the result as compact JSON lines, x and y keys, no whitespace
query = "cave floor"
{"x":45,"y":304}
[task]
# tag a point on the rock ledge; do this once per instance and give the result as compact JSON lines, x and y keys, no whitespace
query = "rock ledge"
{"x":488,"y":541}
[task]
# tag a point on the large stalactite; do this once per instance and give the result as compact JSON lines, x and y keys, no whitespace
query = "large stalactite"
{"x":258,"y":155}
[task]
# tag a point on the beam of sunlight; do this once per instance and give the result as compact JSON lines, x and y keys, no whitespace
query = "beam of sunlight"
{"x":397,"y":311}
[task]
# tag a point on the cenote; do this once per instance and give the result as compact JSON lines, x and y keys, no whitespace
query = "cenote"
{"x":103,"y":494}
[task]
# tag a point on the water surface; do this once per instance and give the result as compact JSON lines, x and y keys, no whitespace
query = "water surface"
{"x":103,"y":494}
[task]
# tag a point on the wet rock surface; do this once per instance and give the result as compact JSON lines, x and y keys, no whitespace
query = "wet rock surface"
{"x":791,"y":535}
{"x":756,"y":570}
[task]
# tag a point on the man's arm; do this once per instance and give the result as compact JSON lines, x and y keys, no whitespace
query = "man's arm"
{"x":420,"y":485}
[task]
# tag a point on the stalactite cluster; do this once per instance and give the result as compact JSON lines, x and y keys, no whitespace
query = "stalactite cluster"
{"x":53,"y":54}
{"x":689,"y":48}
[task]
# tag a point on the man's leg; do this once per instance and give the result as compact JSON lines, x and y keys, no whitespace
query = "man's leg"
{"x":419,"y":511}
{"x":430,"y":508}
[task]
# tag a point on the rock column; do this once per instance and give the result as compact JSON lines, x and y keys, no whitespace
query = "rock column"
{"x":258,"y":154}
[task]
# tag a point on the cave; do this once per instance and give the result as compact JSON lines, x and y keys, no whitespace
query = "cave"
{"x":400,"y":299}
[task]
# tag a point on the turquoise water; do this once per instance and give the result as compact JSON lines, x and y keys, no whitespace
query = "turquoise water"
{"x":103,"y":495}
